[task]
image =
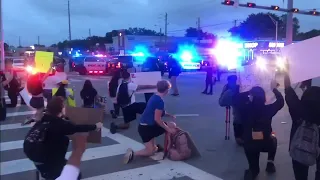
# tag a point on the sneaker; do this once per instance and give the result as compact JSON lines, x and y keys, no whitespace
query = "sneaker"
{"x":204,"y":92}
{"x":113,"y":128}
{"x":113,"y":115}
{"x":270,"y":168}
{"x":174,"y":94}
{"x":28,"y":121}
{"x":128,"y":157}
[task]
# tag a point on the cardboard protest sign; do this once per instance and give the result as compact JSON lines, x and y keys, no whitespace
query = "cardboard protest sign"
{"x":80,"y":115}
{"x":304,"y":59}
{"x":43,"y":61}
{"x":251,"y":76}
{"x":146,"y":78}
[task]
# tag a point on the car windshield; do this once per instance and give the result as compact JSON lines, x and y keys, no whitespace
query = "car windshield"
{"x":95,"y":59}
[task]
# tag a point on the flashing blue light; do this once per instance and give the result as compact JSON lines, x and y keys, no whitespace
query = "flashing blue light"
{"x":77,"y":54}
{"x":140,"y":53}
{"x":187,"y":53}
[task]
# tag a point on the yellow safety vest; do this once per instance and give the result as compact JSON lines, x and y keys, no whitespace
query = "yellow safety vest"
{"x":71,"y":102}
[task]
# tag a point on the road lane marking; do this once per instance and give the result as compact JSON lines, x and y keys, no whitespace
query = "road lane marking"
{"x":20,"y":113}
{"x":14,"y":126}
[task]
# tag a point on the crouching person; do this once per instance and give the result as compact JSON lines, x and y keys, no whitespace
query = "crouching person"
{"x":151,"y":124}
{"x":47,"y":142}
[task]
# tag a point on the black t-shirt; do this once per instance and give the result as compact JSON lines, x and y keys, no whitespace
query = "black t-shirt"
{"x":88,"y":96}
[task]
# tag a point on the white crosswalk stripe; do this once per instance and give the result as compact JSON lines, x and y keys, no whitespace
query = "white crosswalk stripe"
{"x":99,"y":162}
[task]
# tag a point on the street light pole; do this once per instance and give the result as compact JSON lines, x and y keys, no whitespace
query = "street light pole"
{"x":276,"y":24}
{"x":2,"y":39}
{"x":69,"y":20}
{"x":289,"y":28}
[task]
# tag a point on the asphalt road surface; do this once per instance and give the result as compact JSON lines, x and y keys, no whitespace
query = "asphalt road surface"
{"x":198,"y":114}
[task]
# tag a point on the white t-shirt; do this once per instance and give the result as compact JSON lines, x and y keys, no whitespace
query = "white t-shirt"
{"x":69,"y":172}
{"x":132,"y":87}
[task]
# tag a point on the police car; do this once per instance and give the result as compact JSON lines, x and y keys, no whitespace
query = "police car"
{"x":94,"y":65}
{"x":18,"y":64}
{"x":190,"y":65}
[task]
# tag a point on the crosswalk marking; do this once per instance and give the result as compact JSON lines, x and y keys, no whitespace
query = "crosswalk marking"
{"x":162,"y":170}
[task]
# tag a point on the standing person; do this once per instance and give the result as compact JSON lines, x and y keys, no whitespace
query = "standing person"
{"x":304,"y":112}
{"x":14,"y":87}
{"x":3,"y":108}
{"x":89,"y":95}
{"x":35,"y":88}
{"x":126,"y":99}
{"x":210,"y":79}
{"x":151,"y":124}
{"x":47,"y":142}
{"x":174,"y":72}
{"x":63,"y":92}
{"x":257,"y":129}
{"x":232,"y":98}
{"x":113,"y":86}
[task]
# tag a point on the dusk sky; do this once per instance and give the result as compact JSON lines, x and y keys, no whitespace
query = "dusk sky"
{"x":49,"y":18}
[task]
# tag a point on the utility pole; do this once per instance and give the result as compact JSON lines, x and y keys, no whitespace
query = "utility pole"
{"x":199,"y":29}
{"x":38,"y":40}
{"x":235,"y":23}
{"x":69,"y":20}
{"x":1,"y":39}
{"x":160,"y":36}
{"x":89,"y":32}
{"x":19,"y":41}
{"x":165,"y":30}
{"x":289,"y":28}
{"x":276,"y":33}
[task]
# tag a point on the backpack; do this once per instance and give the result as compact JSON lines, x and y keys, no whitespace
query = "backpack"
{"x":304,"y":146}
{"x":34,"y":145}
{"x":179,"y":147}
{"x":227,"y":96}
{"x":123,"y":97}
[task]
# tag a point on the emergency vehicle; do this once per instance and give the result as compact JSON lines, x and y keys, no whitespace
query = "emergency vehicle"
{"x":18,"y":64}
{"x":94,"y":65}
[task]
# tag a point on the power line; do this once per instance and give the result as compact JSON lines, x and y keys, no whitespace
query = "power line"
{"x":212,"y":25}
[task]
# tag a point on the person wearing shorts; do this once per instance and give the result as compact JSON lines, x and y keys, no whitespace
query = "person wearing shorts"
{"x":133,"y":108}
{"x":151,"y":124}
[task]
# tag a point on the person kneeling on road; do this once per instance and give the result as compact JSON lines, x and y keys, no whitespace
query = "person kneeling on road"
{"x":127,"y":101}
{"x":257,"y":129}
{"x":47,"y":142}
{"x":151,"y":124}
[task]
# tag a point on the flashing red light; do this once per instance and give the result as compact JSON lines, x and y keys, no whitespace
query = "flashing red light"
{"x":315,"y":13}
{"x":95,"y":72}
{"x":100,"y":71}
{"x":275,"y":7}
{"x":90,"y":71}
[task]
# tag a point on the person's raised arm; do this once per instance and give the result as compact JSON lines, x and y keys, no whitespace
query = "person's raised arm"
{"x":279,"y":103}
{"x":48,"y":73}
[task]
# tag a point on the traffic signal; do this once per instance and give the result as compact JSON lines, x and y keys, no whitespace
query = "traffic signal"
{"x":295,"y":10}
{"x":315,"y":13}
{"x":228,"y":3}
{"x":252,"y":5}
{"x":275,"y":7}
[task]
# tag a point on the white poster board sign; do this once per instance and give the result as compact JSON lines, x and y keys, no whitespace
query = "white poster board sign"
{"x":251,"y":76}
{"x":146,"y":78}
{"x":25,"y":95}
{"x":304,"y":59}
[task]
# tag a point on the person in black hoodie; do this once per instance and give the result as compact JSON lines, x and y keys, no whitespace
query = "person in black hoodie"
{"x":14,"y":87}
{"x":113,"y":86}
{"x":88,"y":94}
{"x":257,"y":130}
{"x":307,"y":109}
{"x":47,"y":142}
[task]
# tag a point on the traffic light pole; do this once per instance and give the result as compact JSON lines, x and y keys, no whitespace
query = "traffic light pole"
{"x":1,"y":39}
{"x":289,"y":28}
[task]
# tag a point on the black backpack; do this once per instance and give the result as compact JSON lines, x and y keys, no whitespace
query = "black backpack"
{"x":34,"y":145}
{"x":123,"y":97}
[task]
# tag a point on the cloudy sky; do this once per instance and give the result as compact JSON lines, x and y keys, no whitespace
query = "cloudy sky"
{"x":48,"y":19}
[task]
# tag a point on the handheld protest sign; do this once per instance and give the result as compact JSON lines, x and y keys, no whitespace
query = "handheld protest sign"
{"x":43,"y":61}
{"x":146,"y":78}
{"x":80,"y":115}
{"x":257,"y":75}
{"x":303,"y":58}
